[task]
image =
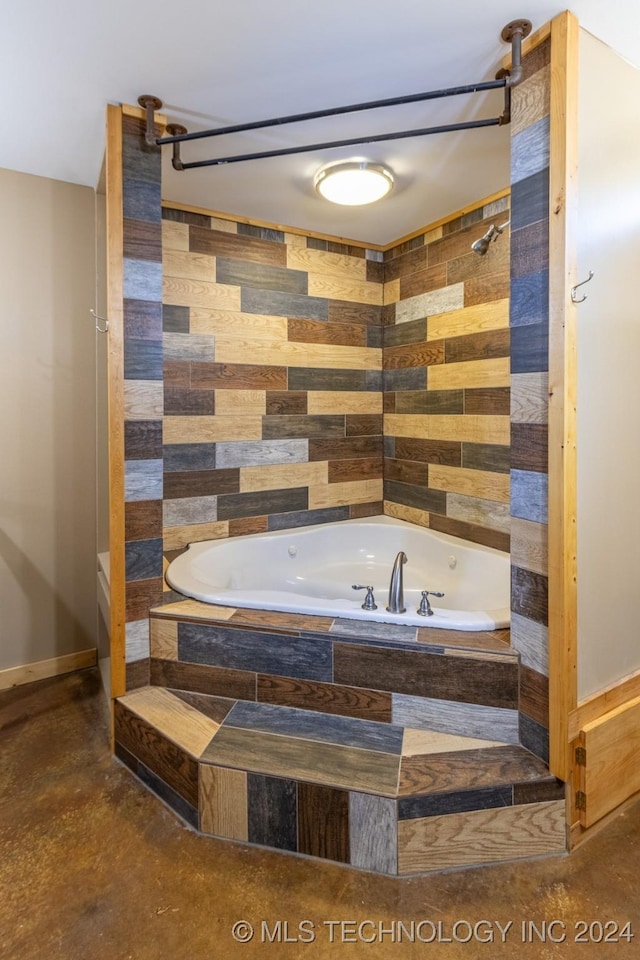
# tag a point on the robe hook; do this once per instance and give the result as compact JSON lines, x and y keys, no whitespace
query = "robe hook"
{"x":574,"y":299}
{"x":100,"y":320}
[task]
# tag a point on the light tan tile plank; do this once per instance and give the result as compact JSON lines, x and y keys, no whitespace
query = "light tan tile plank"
{"x":195,"y":609}
{"x":470,"y":374}
{"x":281,"y":476}
{"x":238,"y":350}
{"x":339,"y":494}
{"x":174,"y":718}
{"x":233,"y":323}
{"x":227,"y":226}
{"x":334,"y":288}
{"x":323,"y":263}
{"x":240,"y":402}
{"x":529,"y":545}
{"x":175,"y":538}
{"x":223,"y":802}
{"x":402,"y":512}
{"x":470,"y":428}
{"x":211,"y":429}
{"x":175,"y":236}
{"x":474,"y":483}
{"x":343,"y":401}
{"x":163,"y":638}
{"x":188,"y":266}
{"x":199,"y":293}
{"x":391,"y":291}
{"x":423,"y":742}
{"x":475,"y":319}
{"x":481,"y":836}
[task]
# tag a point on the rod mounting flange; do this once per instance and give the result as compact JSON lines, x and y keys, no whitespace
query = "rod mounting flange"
{"x":523,"y":27}
{"x":150,"y":104}
{"x":146,"y":101}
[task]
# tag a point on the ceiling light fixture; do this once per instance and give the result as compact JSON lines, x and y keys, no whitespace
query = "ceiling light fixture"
{"x":353,"y":182}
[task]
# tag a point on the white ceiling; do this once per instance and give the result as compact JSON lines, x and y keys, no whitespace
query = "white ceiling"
{"x":219,"y":62}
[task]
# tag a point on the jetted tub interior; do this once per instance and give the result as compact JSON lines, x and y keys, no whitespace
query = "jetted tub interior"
{"x":312,"y":570}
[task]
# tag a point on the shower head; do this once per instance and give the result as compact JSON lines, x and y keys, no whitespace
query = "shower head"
{"x":482,"y":245}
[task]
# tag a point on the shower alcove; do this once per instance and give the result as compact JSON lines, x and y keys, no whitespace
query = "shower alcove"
{"x":261,"y":379}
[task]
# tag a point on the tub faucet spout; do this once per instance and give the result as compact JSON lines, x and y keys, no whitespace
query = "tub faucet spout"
{"x":396,"y":590}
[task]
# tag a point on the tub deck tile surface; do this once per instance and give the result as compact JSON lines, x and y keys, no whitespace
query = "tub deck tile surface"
{"x":375,"y":795}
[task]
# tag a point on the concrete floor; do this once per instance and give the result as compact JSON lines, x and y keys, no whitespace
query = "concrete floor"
{"x":92,"y":866}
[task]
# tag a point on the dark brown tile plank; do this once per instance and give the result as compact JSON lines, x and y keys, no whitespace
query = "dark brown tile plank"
{"x":271,"y":811}
{"x":164,"y":758}
{"x":361,"y":469}
{"x":494,"y":286}
{"x":406,"y":263}
{"x":141,"y":595}
{"x":142,"y":519}
{"x":446,"y":452}
{"x":201,"y":678}
{"x":529,"y":447}
{"x":137,"y":674}
{"x":237,"y":376}
{"x":332,"y":698}
{"x":459,"y":243}
{"x":423,"y":281}
{"x":406,"y":471}
{"x":360,"y":510}
{"x":363,"y":425}
{"x":241,"y":526}
{"x":176,"y":374}
{"x":477,"y":346}
{"x":180,"y":402}
{"x":468,"y":770}
{"x":219,"y":243}
{"x":469,"y":265}
{"x":443,"y":402}
{"x":216,"y":708}
{"x":529,"y":594}
{"x":323,"y":822}
{"x":488,"y":401}
{"x":539,"y":791}
{"x":425,"y":674}
{"x":471,"y":531}
{"x":414,"y":355}
{"x":142,"y":240}
{"x":342,"y":311}
{"x":318,"y":331}
{"x":344,"y":449}
{"x":534,"y":695}
{"x":201,"y":483}
{"x":286,"y":402}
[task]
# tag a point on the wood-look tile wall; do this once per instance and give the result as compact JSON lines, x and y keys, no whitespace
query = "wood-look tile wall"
{"x":143,"y":391}
{"x":272,"y":379}
{"x":529,"y":322}
{"x":446,"y":380}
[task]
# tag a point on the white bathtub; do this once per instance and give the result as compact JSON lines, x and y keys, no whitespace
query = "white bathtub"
{"x":311,"y":570}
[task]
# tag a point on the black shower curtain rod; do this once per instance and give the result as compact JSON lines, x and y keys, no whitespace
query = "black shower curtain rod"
{"x":513,"y":33}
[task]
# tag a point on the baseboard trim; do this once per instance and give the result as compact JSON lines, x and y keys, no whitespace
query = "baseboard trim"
{"x":43,"y":669}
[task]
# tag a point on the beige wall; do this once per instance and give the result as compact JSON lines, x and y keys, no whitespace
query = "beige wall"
{"x":608,"y":368}
{"x":47,"y":417}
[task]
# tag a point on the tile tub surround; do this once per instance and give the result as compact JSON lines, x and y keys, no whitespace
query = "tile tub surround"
{"x":446,"y":379}
{"x":272,"y":379}
{"x":248,"y":741}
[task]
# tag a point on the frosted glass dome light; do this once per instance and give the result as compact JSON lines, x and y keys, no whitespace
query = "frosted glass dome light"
{"x":353,"y":183}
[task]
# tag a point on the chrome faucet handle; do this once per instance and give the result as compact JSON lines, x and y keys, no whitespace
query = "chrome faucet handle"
{"x":425,"y":607}
{"x":369,"y":600}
